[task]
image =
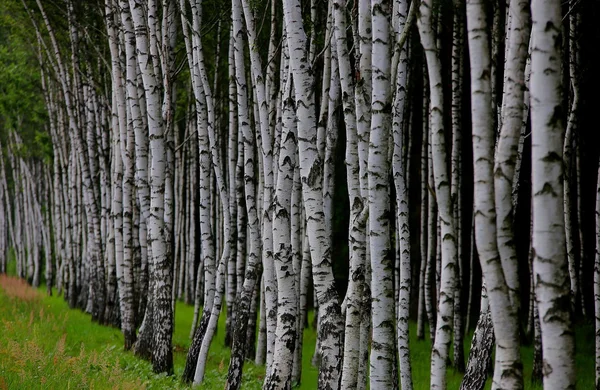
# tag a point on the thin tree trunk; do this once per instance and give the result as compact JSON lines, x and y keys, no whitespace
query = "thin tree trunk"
{"x":310,"y":166}
{"x":432,"y":231}
{"x":421,"y":313}
{"x":401,"y":155}
{"x":252,"y":274}
{"x":358,"y":216}
{"x":597,"y":283}
{"x":280,"y":375}
{"x":458,"y":42}
{"x":506,"y":152}
{"x":443,"y":334}
{"x":508,"y":370}
{"x":571,"y":163}
{"x":297,"y":225}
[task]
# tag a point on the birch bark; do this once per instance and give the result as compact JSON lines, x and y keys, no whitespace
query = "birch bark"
{"x":447,"y":229}
{"x":280,"y":375}
{"x":506,"y":152}
{"x":311,"y":173}
{"x":358,"y":214}
{"x":508,"y":370}
{"x":252,"y":272}
{"x":400,"y":128}
{"x":162,"y":354}
{"x":549,"y":265}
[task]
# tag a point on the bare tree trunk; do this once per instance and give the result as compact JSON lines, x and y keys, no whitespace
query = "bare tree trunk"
{"x":162,"y":354}
{"x":401,"y":127}
{"x":482,"y":345}
{"x":310,"y":167}
{"x":443,"y":334}
{"x":458,"y":42}
{"x":358,"y":216}
{"x":252,"y":273}
{"x":421,"y":313}
{"x":549,"y":265}
{"x":280,"y":375}
{"x":508,"y":370}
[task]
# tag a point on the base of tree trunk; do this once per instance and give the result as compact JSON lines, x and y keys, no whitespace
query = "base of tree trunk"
{"x":480,"y":357}
{"x":130,"y":339}
{"x":145,"y":341}
{"x":143,"y":346}
{"x":194,"y":351}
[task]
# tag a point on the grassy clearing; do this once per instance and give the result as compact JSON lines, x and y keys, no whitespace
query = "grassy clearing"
{"x":45,"y":345}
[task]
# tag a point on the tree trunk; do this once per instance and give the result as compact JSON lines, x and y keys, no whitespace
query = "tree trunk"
{"x":597,"y":283}
{"x":280,"y":375}
{"x":458,"y":41}
{"x":310,"y":172}
{"x":358,"y":216}
{"x":162,"y":353}
{"x":508,"y":370}
{"x":252,"y":274}
{"x":480,"y":356}
{"x":443,"y":333}
{"x":401,"y":154}
{"x":552,"y":287}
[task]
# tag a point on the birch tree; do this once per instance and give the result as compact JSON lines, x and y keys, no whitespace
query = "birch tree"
{"x":162,"y":354}
{"x":252,"y":273}
{"x":508,"y":370}
{"x":443,"y":333}
{"x":382,"y":361}
{"x":517,"y":39}
{"x":310,"y":173}
{"x":280,"y":375}
{"x":358,"y":210}
{"x":552,"y":287}
{"x":401,"y":153}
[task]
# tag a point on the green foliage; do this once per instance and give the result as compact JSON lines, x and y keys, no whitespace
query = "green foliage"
{"x":21,"y":99}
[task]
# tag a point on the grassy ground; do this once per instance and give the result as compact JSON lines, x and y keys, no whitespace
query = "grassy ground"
{"x":45,"y":345}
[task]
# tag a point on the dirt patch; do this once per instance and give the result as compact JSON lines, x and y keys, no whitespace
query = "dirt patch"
{"x":18,"y":288}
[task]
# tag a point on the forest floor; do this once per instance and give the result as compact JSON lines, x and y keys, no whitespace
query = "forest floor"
{"x":46,"y":345}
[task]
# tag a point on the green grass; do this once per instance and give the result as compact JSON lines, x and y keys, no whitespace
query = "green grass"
{"x":46,"y":345}
{"x":584,"y":360}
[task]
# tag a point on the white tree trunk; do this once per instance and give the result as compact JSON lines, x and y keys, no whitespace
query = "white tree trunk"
{"x":482,"y":345}
{"x":358,"y":214}
{"x":280,"y":375}
{"x":506,"y":152}
{"x":162,"y":354}
{"x":252,"y":270}
{"x":508,"y":370}
{"x":401,"y":152}
{"x":443,"y":334}
{"x":310,"y":172}
{"x":382,"y":358}
{"x":550,"y":267}
{"x":268,"y":176}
